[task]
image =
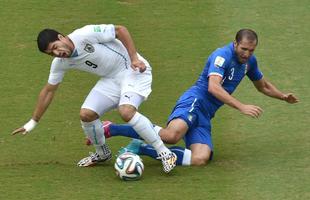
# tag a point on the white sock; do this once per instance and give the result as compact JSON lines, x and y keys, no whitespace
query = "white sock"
{"x":94,"y":131}
{"x":187,"y":156}
{"x":145,"y":129}
{"x":157,"y":128}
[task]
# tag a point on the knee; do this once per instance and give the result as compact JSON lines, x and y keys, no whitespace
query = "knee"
{"x":199,"y":160}
{"x":169,"y":136}
{"x":172,"y":139}
{"x":127,"y":112}
{"x":174,"y":132}
{"x":88,"y":115}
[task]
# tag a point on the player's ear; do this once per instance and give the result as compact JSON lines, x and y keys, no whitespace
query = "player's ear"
{"x":60,"y":36}
{"x":235,"y":43}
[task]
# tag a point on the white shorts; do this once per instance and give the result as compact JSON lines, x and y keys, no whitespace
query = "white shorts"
{"x":109,"y":93}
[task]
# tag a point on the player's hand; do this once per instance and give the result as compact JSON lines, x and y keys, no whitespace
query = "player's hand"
{"x":26,"y":128}
{"x":251,"y":110}
{"x":290,"y":98}
{"x":138,"y":64}
{"x":21,"y":130}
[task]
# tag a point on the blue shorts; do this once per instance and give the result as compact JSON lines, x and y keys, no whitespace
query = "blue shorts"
{"x":198,"y":120}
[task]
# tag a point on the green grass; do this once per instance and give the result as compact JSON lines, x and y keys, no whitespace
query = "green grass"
{"x":266,"y":158}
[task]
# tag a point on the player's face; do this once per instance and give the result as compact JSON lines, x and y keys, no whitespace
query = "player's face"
{"x":60,"y":48}
{"x":244,"y":49}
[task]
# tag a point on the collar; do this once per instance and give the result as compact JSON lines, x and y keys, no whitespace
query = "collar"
{"x":74,"y":53}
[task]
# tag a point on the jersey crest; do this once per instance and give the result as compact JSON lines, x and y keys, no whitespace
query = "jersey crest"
{"x":89,"y":48}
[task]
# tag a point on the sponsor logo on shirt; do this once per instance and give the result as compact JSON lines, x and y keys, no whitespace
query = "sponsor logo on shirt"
{"x":97,"y":29}
{"x":219,"y":61}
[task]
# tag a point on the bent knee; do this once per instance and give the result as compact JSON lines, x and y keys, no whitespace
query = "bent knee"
{"x":170,"y":137}
{"x":127,"y":112}
{"x":199,"y":162}
{"x":87,"y":115}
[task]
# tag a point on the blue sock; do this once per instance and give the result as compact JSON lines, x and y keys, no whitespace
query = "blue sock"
{"x":123,"y":130}
{"x":179,"y":151}
{"x":148,"y":150}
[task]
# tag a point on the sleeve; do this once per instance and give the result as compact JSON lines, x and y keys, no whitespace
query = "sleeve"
{"x":253,"y":72}
{"x":98,"y":33}
{"x":217,"y":63}
{"x":57,"y":72}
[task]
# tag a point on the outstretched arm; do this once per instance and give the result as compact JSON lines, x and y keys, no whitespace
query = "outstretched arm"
{"x":45,"y":98}
{"x":216,"y":89}
{"x":124,"y":36}
{"x":268,"y":89}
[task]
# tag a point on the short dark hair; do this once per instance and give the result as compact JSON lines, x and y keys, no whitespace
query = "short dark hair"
{"x":45,"y":37}
{"x":248,"y":34}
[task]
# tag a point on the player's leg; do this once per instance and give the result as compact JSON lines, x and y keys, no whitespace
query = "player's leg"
{"x":124,"y":130}
{"x":140,"y":148}
{"x":197,"y":154}
{"x":170,"y":135}
{"x":175,"y":131}
{"x":144,"y":128}
{"x":200,"y":154}
{"x":199,"y":141}
{"x":189,"y":122}
{"x":96,"y":103}
{"x":136,"y":87}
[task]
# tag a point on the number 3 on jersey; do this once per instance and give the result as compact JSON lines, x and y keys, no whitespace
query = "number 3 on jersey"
{"x":231,"y":76}
{"x":89,"y":63}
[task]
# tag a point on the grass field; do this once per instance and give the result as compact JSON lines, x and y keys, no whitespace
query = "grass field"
{"x":259,"y":159}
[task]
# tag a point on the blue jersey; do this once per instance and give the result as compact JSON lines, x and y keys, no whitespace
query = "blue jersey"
{"x":222,"y":62}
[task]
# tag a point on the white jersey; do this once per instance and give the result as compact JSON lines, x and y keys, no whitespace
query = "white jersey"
{"x":96,"y":51}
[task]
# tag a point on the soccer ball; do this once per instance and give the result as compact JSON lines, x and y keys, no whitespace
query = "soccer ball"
{"x":129,"y":166}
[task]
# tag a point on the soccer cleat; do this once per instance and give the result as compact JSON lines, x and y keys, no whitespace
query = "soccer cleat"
{"x":133,"y":147}
{"x":95,"y":158}
{"x":168,"y":160}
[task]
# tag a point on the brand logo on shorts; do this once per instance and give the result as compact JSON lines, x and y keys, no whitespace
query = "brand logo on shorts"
{"x":127,"y":97}
{"x":89,"y":48}
{"x":190,"y":118}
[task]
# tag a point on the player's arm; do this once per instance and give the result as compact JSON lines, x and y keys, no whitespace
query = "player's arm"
{"x":268,"y":89}
{"x":45,"y":98}
{"x":124,"y":36}
{"x":216,"y":89}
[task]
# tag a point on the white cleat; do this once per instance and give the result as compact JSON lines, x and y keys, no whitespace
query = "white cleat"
{"x":95,"y":158}
{"x":168,"y":160}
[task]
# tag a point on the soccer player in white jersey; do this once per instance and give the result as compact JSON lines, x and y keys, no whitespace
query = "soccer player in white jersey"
{"x":125,"y":82}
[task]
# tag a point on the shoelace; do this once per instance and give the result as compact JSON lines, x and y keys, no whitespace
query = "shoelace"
{"x":164,"y":156}
{"x":93,"y":156}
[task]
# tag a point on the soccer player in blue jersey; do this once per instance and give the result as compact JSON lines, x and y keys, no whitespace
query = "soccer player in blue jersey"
{"x":192,"y":114}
